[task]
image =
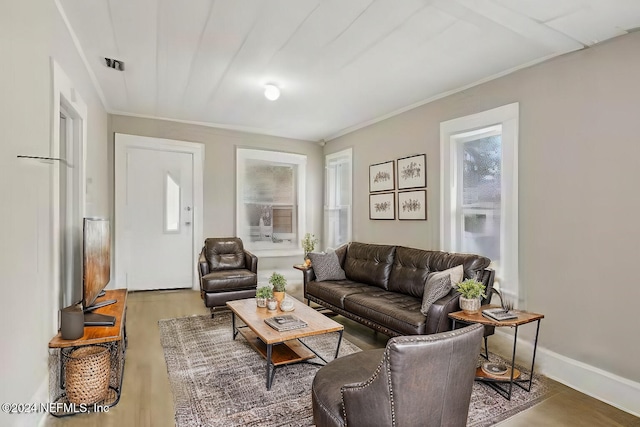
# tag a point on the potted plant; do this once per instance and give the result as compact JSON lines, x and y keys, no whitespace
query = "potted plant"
{"x":471,"y":293}
{"x":262,"y":294}
{"x":308,"y":245}
{"x":279,"y":283}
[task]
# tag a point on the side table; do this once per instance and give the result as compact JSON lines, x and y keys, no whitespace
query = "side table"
{"x":515,"y":376}
{"x":113,"y":337}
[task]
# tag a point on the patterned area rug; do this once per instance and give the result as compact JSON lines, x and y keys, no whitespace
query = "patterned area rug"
{"x":217,"y":381}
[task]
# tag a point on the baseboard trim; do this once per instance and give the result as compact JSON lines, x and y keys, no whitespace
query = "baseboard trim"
{"x":41,"y":396}
{"x":612,"y":389}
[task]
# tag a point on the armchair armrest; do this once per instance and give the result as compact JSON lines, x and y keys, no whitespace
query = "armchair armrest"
{"x":368,"y":403}
{"x":251,"y":261}
{"x":203,"y":265}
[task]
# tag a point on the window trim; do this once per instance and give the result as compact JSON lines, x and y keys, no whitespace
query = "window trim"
{"x":457,"y":130}
{"x":300,"y":160}
{"x":347,"y":152}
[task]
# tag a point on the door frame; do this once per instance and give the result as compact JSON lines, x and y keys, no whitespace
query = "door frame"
{"x":123,"y":142}
{"x":65,"y":98}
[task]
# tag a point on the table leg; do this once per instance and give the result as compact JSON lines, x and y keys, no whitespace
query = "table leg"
{"x":269,"y":374}
{"x":339,"y":342}
{"x":234,"y":330}
{"x":513,"y":361}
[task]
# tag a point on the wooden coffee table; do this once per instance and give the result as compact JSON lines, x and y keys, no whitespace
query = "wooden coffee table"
{"x":280,"y":348}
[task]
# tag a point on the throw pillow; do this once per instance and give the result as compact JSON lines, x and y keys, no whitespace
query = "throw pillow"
{"x":434,"y":290}
{"x":433,"y":285}
{"x":326,"y":266}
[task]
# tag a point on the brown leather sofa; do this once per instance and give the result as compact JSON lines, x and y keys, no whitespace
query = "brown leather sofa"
{"x":227,"y":272}
{"x":384,"y":286}
{"x":419,"y":380}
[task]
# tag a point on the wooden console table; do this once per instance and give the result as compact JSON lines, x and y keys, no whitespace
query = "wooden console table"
{"x":513,"y":376}
{"x":114,"y":337}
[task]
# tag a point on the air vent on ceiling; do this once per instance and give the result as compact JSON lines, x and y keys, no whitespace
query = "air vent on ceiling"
{"x":115,"y":64}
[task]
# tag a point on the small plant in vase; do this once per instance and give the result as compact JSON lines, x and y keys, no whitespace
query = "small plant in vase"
{"x":471,"y":292}
{"x":308,"y":245}
{"x":279,"y":284}
{"x":262,"y":295}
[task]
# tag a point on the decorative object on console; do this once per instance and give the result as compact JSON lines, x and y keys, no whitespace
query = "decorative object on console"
{"x":326,"y":266}
{"x":272,"y":304}
{"x":308,"y":244}
{"x":382,"y":206}
{"x":71,"y":322}
{"x":381,"y":177}
{"x":287,"y":304}
{"x":262,"y":294}
{"x":412,"y":172}
{"x":503,"y":313}
{"x":471,"y":293}
{"x":412,"y":205}
{"x":279,"y":283}
{"x":87,"y":371}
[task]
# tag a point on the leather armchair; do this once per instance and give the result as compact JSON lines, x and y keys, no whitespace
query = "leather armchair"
{"x":227,"y":272}
{"x":423,"y":380}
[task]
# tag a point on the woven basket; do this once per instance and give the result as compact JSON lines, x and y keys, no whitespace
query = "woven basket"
{"x":87,"y":372}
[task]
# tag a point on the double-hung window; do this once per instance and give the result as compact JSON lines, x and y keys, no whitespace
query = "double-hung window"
{"x":479,"y":164}
{"x":270,"y":200}
{"x":337,"y":199}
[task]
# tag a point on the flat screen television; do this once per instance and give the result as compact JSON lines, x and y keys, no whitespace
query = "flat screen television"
{"x":96,"y":270}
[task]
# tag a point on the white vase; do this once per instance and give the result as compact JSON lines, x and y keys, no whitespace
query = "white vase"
{"x":470,"y":305}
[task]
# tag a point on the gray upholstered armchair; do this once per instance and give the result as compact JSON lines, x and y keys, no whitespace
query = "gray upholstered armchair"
{"x":417,"y":380}
{"x":227,"y":272}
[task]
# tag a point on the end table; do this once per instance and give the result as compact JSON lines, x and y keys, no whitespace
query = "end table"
{"x":522,"y":319}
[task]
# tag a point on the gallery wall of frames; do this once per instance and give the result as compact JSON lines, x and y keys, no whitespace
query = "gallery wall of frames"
{"x":399,"y":186}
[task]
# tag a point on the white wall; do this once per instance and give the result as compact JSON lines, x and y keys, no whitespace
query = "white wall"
{"x":579,"y":230}
{"x":220,"y":175}
{"x":30,"y":33}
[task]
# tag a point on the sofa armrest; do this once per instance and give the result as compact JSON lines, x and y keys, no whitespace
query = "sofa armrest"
{"x":487,"y":277}
{"x":203,"y":265}
{"x":251,"y":261}
{"x":308,"y":275}
{"x":438,"y":314}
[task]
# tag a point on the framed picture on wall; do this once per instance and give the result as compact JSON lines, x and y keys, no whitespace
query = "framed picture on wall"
{"x":382,"y":177}
{"x":412,"y":172}
{"x":412,"y":205}
{"x":382,"y":206}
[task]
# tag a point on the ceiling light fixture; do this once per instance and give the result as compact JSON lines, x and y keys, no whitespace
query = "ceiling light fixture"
{"x":271,"y":92}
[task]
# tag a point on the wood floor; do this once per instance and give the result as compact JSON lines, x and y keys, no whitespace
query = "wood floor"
{"x":147,"y":400}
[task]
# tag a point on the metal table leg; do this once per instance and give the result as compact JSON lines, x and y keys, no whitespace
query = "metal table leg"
{"x":234,"y":330}
{"x":271,"y":370}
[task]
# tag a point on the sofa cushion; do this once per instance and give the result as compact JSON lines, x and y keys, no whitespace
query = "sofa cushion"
{"x":437,"y":286}
{"x":410,"y":270}
{"x":326,"y":266}
{"x":370,"y":264}
{"x":224,"y":253}
{"x":334,"y":292}
{"x":394,"y":310}
{"x":226,"y":280}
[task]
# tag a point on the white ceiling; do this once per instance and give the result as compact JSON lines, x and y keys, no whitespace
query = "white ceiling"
{"x":339,"y":63}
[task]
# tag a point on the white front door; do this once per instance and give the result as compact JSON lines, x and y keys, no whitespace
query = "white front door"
{"x":155,"y":238}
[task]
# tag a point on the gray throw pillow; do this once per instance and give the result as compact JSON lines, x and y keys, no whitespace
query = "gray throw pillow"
{"x":436,"y":287}
{"x":326,"y":266}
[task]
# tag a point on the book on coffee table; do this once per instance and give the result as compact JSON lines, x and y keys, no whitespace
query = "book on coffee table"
{"x":285,"y":322}
{"x":499,"y":314}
